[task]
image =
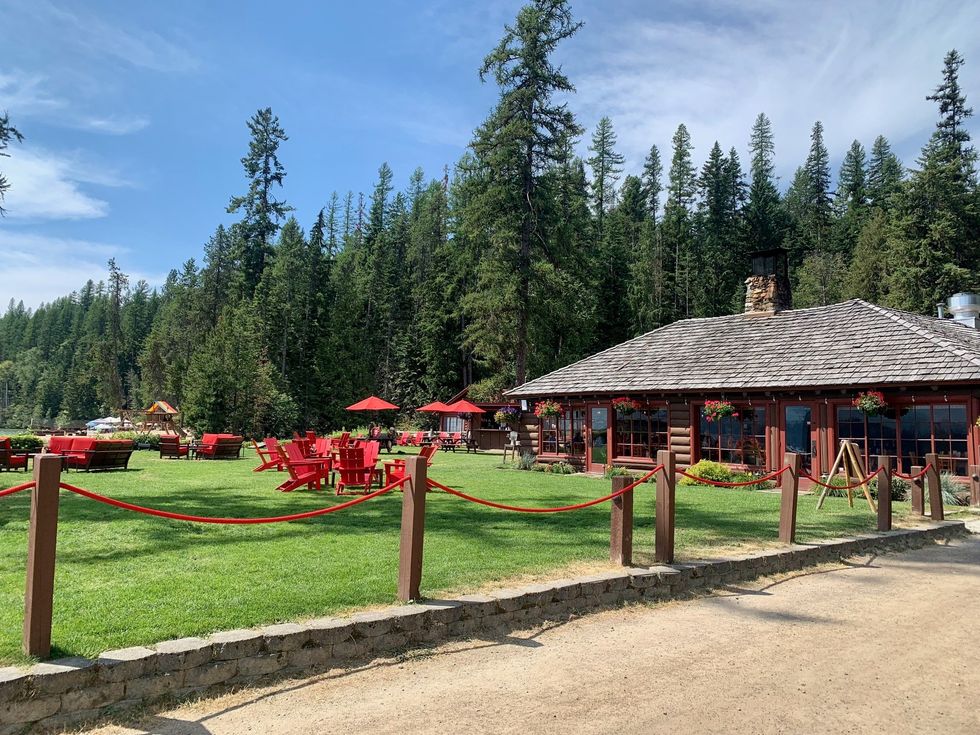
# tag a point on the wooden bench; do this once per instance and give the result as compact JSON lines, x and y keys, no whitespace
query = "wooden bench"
{"x":219,"y":446}
{"x":88,"y":454}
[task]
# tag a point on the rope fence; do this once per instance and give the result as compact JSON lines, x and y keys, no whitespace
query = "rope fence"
{"x":16,"y":489}
{"x":913,"y":478}
{"x":229,"y":521}
{"x":718,"y":483}
{"x":558,"y":509}
{"x":829,"y":486}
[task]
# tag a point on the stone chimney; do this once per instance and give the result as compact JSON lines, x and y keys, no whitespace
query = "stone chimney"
{"x":767,"y":290}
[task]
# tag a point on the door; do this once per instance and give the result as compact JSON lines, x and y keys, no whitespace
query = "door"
{"x":799,"y":434}
{"x":598,"y":447}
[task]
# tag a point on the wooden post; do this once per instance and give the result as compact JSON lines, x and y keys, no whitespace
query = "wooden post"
{"x":974,"y":485}
{"x":917,"y":495}
{"x":621,"y":523}
{"x":665,"y":507}
{"x":42,"y":540}
{"x":884,"y":493}
{"x":935,"y":489}
{"x":413,"y":529}
{"x":790,"y":492}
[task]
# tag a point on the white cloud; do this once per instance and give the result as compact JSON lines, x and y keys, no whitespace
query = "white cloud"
{"x":863,"y":69}
{"x":38,"y":269}
{"x":48,"y":186}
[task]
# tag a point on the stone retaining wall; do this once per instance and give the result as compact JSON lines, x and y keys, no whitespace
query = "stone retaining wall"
{"x":65,"y":693}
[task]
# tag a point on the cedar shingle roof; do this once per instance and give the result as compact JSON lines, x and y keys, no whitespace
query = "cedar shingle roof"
{"x":853,"y":343}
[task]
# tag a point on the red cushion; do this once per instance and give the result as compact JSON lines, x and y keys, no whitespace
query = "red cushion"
{"x":209,"y":438}
{"x":17,"y":460}
{"x":60,"y":444}
{"x":82,"y":444}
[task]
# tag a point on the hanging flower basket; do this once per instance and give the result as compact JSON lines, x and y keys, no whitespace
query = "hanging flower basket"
{"x":547,"y":409}
{"x":870,"y":403}
{"x":716,"y":410}
{"x":507,"y":416}
{"x":625,"y":406}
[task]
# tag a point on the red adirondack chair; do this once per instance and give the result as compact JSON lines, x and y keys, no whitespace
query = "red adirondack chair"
{"x":302,"y":470}
{"x":395,"y":470}
{"x":268,"y":457}
{"x":311,"y":437}
{"x":355,"y":471}
{"x":9,"y":460}
{"x":344,"y":439}
{"x":418,"y":438}
{"x":322,"y":446}
{"x":403,"y":439}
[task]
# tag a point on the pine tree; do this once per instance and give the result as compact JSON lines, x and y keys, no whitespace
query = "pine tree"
{"x":764,"y":221}
{"x":8,"y":133}
{"x":851,"y":201}
{"x":521,"y":137}
{"x":262,"y":211}
{"x":677,"y":224}
{"x":952,"y":137}
{"x":652,"y":182}
{"x":606,"y":165}
{"x":885,"y":174}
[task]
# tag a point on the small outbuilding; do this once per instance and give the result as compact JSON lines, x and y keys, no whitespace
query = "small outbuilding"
{"x":162,"y":416}
{"x":746,"y":388}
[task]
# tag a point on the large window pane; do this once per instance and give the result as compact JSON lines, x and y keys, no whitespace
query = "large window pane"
{"x":642,"y":433}
{"x":735,"y":440}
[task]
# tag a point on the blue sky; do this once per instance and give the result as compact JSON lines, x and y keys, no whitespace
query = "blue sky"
{"x":134,"y":112}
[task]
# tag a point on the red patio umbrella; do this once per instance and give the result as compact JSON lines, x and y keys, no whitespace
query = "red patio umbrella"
{"x":464,"y":406}
{"x":435,"y":407}
{"x":373,"y":403}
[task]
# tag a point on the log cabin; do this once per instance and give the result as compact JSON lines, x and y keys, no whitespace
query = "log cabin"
{"x":792,"y":377}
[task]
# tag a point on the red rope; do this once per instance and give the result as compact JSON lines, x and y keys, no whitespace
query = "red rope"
{"x":560,"y":509}
{"x":705,"y":481}
{"x":207,"y":519}
{"x":911,"y":478}
{"x":865,"y":481}
{"x":17,"y":488}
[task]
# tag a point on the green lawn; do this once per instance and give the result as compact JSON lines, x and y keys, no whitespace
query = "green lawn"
{"x":125,"y":579}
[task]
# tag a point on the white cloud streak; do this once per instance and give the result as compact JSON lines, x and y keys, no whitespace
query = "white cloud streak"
{"x":863,"y":69}
{"x":38,"y":268}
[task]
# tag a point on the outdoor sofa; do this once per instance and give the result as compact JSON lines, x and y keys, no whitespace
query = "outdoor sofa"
{"x":89,"y":454}
{"x":219,"y":446}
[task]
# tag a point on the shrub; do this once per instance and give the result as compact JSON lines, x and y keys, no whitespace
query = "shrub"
{"x":613,"y":471}
{"x":900,"y":488}
{"x":562,"y":468}
{"x":708,"y":470}
{"x":142,"y":439}
{"x":951,"y":490}
{"x":526,"y":461}
{"x":541,"y":467}
{"x":26,"y":443}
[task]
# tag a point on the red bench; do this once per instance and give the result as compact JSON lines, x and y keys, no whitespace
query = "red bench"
{"x":87,"y":453}
{"x":220,"y":446}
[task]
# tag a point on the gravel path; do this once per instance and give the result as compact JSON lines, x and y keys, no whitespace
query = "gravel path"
{"x":880,"y":644}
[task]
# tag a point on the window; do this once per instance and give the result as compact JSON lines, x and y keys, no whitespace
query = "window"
{"x":452,"y":424}
{"x":873,"y":435}
{"x":732,"y":440}
{"x":564,"y":434}
{"x":641,"y":433}
{"x":941,"y":428}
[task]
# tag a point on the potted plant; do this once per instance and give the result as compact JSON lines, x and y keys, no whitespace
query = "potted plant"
{"x":507,"y":416}
{"x":547,"y":409}
{"x":625,"y":406}
{"x":717,"y":410}
{"x":870,"y":403}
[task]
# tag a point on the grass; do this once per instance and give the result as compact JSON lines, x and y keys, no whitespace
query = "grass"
{"x":126,"y":579}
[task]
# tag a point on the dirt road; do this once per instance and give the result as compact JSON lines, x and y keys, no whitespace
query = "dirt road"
{"x":886,"y":644}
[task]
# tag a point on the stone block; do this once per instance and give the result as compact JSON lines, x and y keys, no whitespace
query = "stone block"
{"x":210,"y":674}
{"x":285,"y":637}
{"x":641,"y":577}
{"x":261,"y":665}
{"x":388,"y":642}
{"x":328,"y":631}
{"x":183,"y":653}
{"x":350,"y":649}
{"x":509,"y":600}
{"x":234,"y":644}
{"x":476,"y":606}
{"x":371,"y":624}
{"x":566,"y":589}
{"x":92,"y":697}
{"x":430,"y":633}
{"x":126,"y":663}
{"x":69,"y":720}
{"x":29,"y":710}
{"x":14,"y":684}
{"x":62,"y":675}
{"x":310,"y":658}
{"x":443,"y":611}
{"x":537,"y":595}
{"x":407,"y":618}
{"x":155,"y":685}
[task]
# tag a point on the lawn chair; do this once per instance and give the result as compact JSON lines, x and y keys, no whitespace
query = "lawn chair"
{"x":344,"y":439}
{"x":417,"y":440}
{"x":355,"y":472}
{"x":170,"y":446}
{"x":9,"y":460}
{"x":302,"y":470}
{"x":403,"y":439}
{"x":513,"y":446}
{"x":322,"y":446}
{"x":311,"y":437}
{"x":268,"y":457}
{"x":395,"y":470}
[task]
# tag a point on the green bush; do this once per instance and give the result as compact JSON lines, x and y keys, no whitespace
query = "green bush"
{"x":143,"y":439}
{"x":708,"y":470}
{"x":540,"y":467}
{"x":951,"y":490}
{"x":26,"y":443}
{"x":900,"y":488}
{"x":562,"y":468}
{"x":614,"y":471}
